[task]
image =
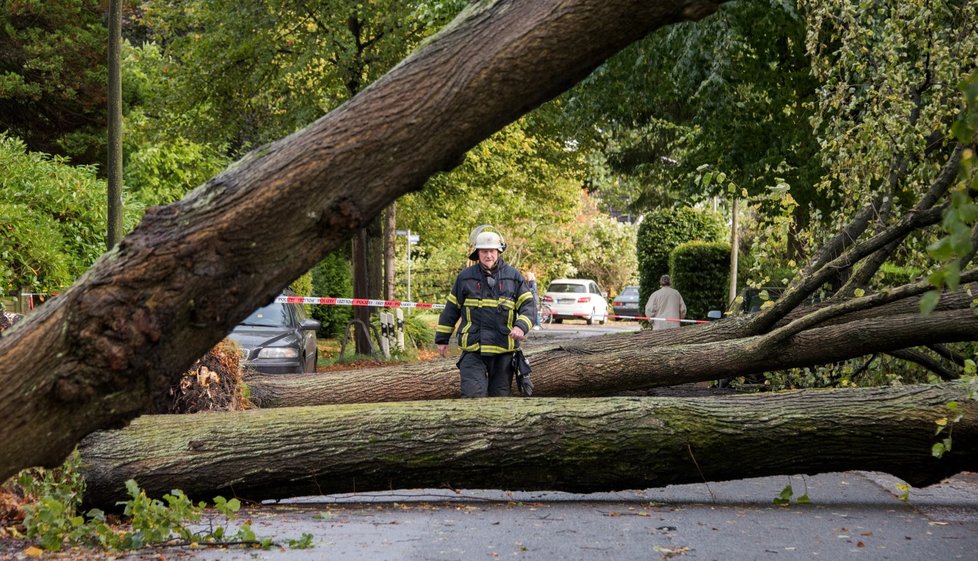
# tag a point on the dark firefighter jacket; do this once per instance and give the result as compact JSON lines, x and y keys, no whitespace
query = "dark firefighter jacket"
{"x":488,"y":310}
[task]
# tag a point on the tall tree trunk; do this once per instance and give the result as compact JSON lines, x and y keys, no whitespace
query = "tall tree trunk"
{"x":599,"y":444}
{"x":390,"y":235}
{"x":375,"y":253}
{"x":361,"y":290}
{"x":116,"y":341}
{"x":734,"y":250}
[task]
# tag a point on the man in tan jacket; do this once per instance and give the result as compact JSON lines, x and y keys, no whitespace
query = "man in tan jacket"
{"x":665,"y":303}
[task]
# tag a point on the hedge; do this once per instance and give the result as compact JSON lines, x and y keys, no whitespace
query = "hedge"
{"x":701,"y":273}
{"x":661,"y":231}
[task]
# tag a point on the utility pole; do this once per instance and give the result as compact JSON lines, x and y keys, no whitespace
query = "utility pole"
{"x":411,"y":239}
{"x":114,"y":230}
{"x":734,"y":243}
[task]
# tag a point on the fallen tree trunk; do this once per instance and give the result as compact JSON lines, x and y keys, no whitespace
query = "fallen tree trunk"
{"x":113,"y":344}
{"x":612,"y":364}
{"x":572,"y":445}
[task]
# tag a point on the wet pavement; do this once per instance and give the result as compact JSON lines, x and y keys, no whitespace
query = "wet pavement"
{"x":851,"y":515}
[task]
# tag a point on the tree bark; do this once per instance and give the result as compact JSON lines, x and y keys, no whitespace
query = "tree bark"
{"x":598,"y":444}
{"x":113,"y":343}
{"x":603,"y":366}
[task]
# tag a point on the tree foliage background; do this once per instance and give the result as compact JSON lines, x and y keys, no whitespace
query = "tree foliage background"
{"x":52,"y":77}
{"x":804,"y":110}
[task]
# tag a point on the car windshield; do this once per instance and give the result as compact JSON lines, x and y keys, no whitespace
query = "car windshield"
{"x":630,"y":291}
{"x":272,"y":315}
{"x":565,"y":287}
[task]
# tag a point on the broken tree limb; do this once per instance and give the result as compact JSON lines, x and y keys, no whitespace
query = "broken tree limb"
{"x":612,"y":364}
{"x":599,"y":444}
{"x":818,"y":317}
{"x":931,"y":364}
{"x":924,"y":214}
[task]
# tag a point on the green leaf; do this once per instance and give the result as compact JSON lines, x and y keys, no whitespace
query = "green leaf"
{"x":784,"y":497}
{"x":941,"y":250}
{"x":929,"y":301}
{"x":305,"y":542}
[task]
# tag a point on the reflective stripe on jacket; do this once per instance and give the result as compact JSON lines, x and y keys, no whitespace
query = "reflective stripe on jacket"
{"x":488,"y":313}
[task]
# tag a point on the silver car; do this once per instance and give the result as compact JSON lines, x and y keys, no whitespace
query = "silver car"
{"x":626,"y":304}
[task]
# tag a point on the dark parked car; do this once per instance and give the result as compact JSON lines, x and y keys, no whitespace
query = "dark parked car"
{"x":626,"y":303}
{"x":278,"y":339}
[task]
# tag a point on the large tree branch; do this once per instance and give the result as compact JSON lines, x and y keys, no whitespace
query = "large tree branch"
{"x":809,"y":320}
{"x":873,"y":263}
{"x":919,"y":358}
{"x":555,"y":444}
{"x":924,"y":214}
{"x":948,"y":354}
{"x":801,"y":289}
{"x":611,"y":365}
{"x":845,"y":237}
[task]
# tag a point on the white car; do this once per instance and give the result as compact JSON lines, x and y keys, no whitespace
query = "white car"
{"x":575,"y":299}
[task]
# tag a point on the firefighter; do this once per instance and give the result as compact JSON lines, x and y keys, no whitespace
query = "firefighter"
{"x":496,"y":309}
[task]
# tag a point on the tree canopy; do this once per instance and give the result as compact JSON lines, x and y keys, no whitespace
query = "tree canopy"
{"x":52,"y":77}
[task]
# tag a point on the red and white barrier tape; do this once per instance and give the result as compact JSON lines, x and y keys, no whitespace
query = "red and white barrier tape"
{"x":355,"y":302}
{"x":615,"y":316}
{"x":329,"y":301}
{"x":660,"y":319}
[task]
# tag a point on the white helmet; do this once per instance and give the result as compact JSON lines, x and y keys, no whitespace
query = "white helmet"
{"x":487,"y":240}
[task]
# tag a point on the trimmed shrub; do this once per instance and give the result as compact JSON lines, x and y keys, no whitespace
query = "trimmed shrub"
{"x":661,"y":231}
{"x":302,"y":286}
{"x":700,"y":272}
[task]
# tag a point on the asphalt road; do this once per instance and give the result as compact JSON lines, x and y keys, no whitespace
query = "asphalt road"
{"x":853,"y":515}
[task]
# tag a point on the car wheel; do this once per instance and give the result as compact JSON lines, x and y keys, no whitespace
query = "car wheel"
{"x":590,"y":318}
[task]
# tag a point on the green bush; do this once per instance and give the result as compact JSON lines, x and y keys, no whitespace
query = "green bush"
{"x":701,"y":272}
{"x":302,"y":286}
{"x":417,"y":329}
{"x":165,"y":171}
{"x":661,"y":231}
{"x":52,"y":219}
{"x":333,"y":277}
